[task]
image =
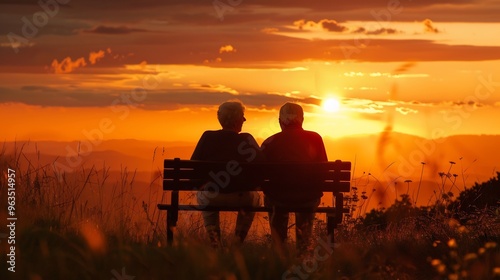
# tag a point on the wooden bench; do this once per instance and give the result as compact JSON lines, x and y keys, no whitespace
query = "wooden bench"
{"x":189,"y":175}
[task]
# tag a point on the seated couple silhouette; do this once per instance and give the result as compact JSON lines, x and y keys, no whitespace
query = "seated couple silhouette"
{"x":293,"y":143}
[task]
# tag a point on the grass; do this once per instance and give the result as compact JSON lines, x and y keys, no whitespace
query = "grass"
{"x":87,"y":226}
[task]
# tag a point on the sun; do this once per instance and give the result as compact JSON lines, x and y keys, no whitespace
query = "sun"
{"x":330,"y":105}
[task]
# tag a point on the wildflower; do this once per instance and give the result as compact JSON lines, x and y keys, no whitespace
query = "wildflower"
{"x":440,"y":267}
{"x":93,"y":236}
{"x":489,"y":245}
{"x":496,"y":271}
{"x":452,"y":162}
{"x":436,"y":262}
{"x":452,"y":223}
{"x":452,"y":243}
{"x":463,"y":229}
{"x":470,"y":256}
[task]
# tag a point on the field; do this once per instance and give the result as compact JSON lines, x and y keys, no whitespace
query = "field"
{"x":87,"y":225}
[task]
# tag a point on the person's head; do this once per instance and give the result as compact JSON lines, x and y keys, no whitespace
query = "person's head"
{"x":231,"y":115}
{"x":291,"y":115}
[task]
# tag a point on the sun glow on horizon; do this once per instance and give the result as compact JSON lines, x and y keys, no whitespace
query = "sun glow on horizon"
{"x":331,"y":104}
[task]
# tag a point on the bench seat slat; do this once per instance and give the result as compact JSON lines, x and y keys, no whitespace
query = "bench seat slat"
{"x":194,"y":185}
{"x":190,"y":164}
{"x":203,"y":173}
{"x":323,"y":209}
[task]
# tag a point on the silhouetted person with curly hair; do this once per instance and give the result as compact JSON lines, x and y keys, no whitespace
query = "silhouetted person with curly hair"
{"x":228,"y":144}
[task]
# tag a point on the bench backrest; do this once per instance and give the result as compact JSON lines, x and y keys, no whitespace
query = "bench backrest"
{"x":188,"y":175}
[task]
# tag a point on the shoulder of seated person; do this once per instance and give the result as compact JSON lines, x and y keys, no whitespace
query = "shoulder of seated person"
{"x":246,"y":134}
{"x":311,"y":132}
{"x":209,"y":132}
{"x":270,"y":138}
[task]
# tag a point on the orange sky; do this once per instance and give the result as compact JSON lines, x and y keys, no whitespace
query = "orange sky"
{"x":157,"y":71}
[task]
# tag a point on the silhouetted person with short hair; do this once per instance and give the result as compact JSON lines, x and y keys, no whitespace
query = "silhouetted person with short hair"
{"x":226,"y":145}
{"x":293,"y":144}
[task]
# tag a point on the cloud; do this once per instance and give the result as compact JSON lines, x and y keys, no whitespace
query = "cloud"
{"x":332,"y":26}
{"x":327,"y":24}
{"x":417,"y":50}
{"x":112,"y":30}
{"x":383,"y":31}
{"x":16,"y":44}
{"x":470,"y":104}
{"x":260,"y":50}
{"x":227,"y":48}
{"x":301,"y":23}
{"x":269,"y":30}
{"x":215,"y":88}
{"x":380,"y":31}
{"x":429,"y":26}
{"x":94,"y":56}
{"x":68,"y":65}
{"x":359,"y":30}
{"x":365,"y":108}
{"x":39,"y":88}
{"x":406,"y":111}
{"x":404,"y":67}
{"x":203,"y":95}
{"x":185,"y":44}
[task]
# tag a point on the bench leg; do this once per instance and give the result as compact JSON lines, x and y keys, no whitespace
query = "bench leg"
{"x":330,"y":226}
{"x":170,"y":225}
{"x":172,"y":217}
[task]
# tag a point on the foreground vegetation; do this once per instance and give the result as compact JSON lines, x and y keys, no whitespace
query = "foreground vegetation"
{"x":70,"y":228}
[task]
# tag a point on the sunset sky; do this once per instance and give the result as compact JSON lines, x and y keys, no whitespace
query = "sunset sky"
{"x":157,"y":70}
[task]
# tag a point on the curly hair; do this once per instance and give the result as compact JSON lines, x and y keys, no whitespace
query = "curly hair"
{"x":230,"y":114}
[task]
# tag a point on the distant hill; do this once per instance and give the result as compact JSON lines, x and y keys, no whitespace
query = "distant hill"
{"x":474,"y":155}
{"x":118,"y":152}
{"x":383,"y":161}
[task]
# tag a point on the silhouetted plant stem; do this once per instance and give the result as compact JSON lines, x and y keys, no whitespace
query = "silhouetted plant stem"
{"x":420,"y":182}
